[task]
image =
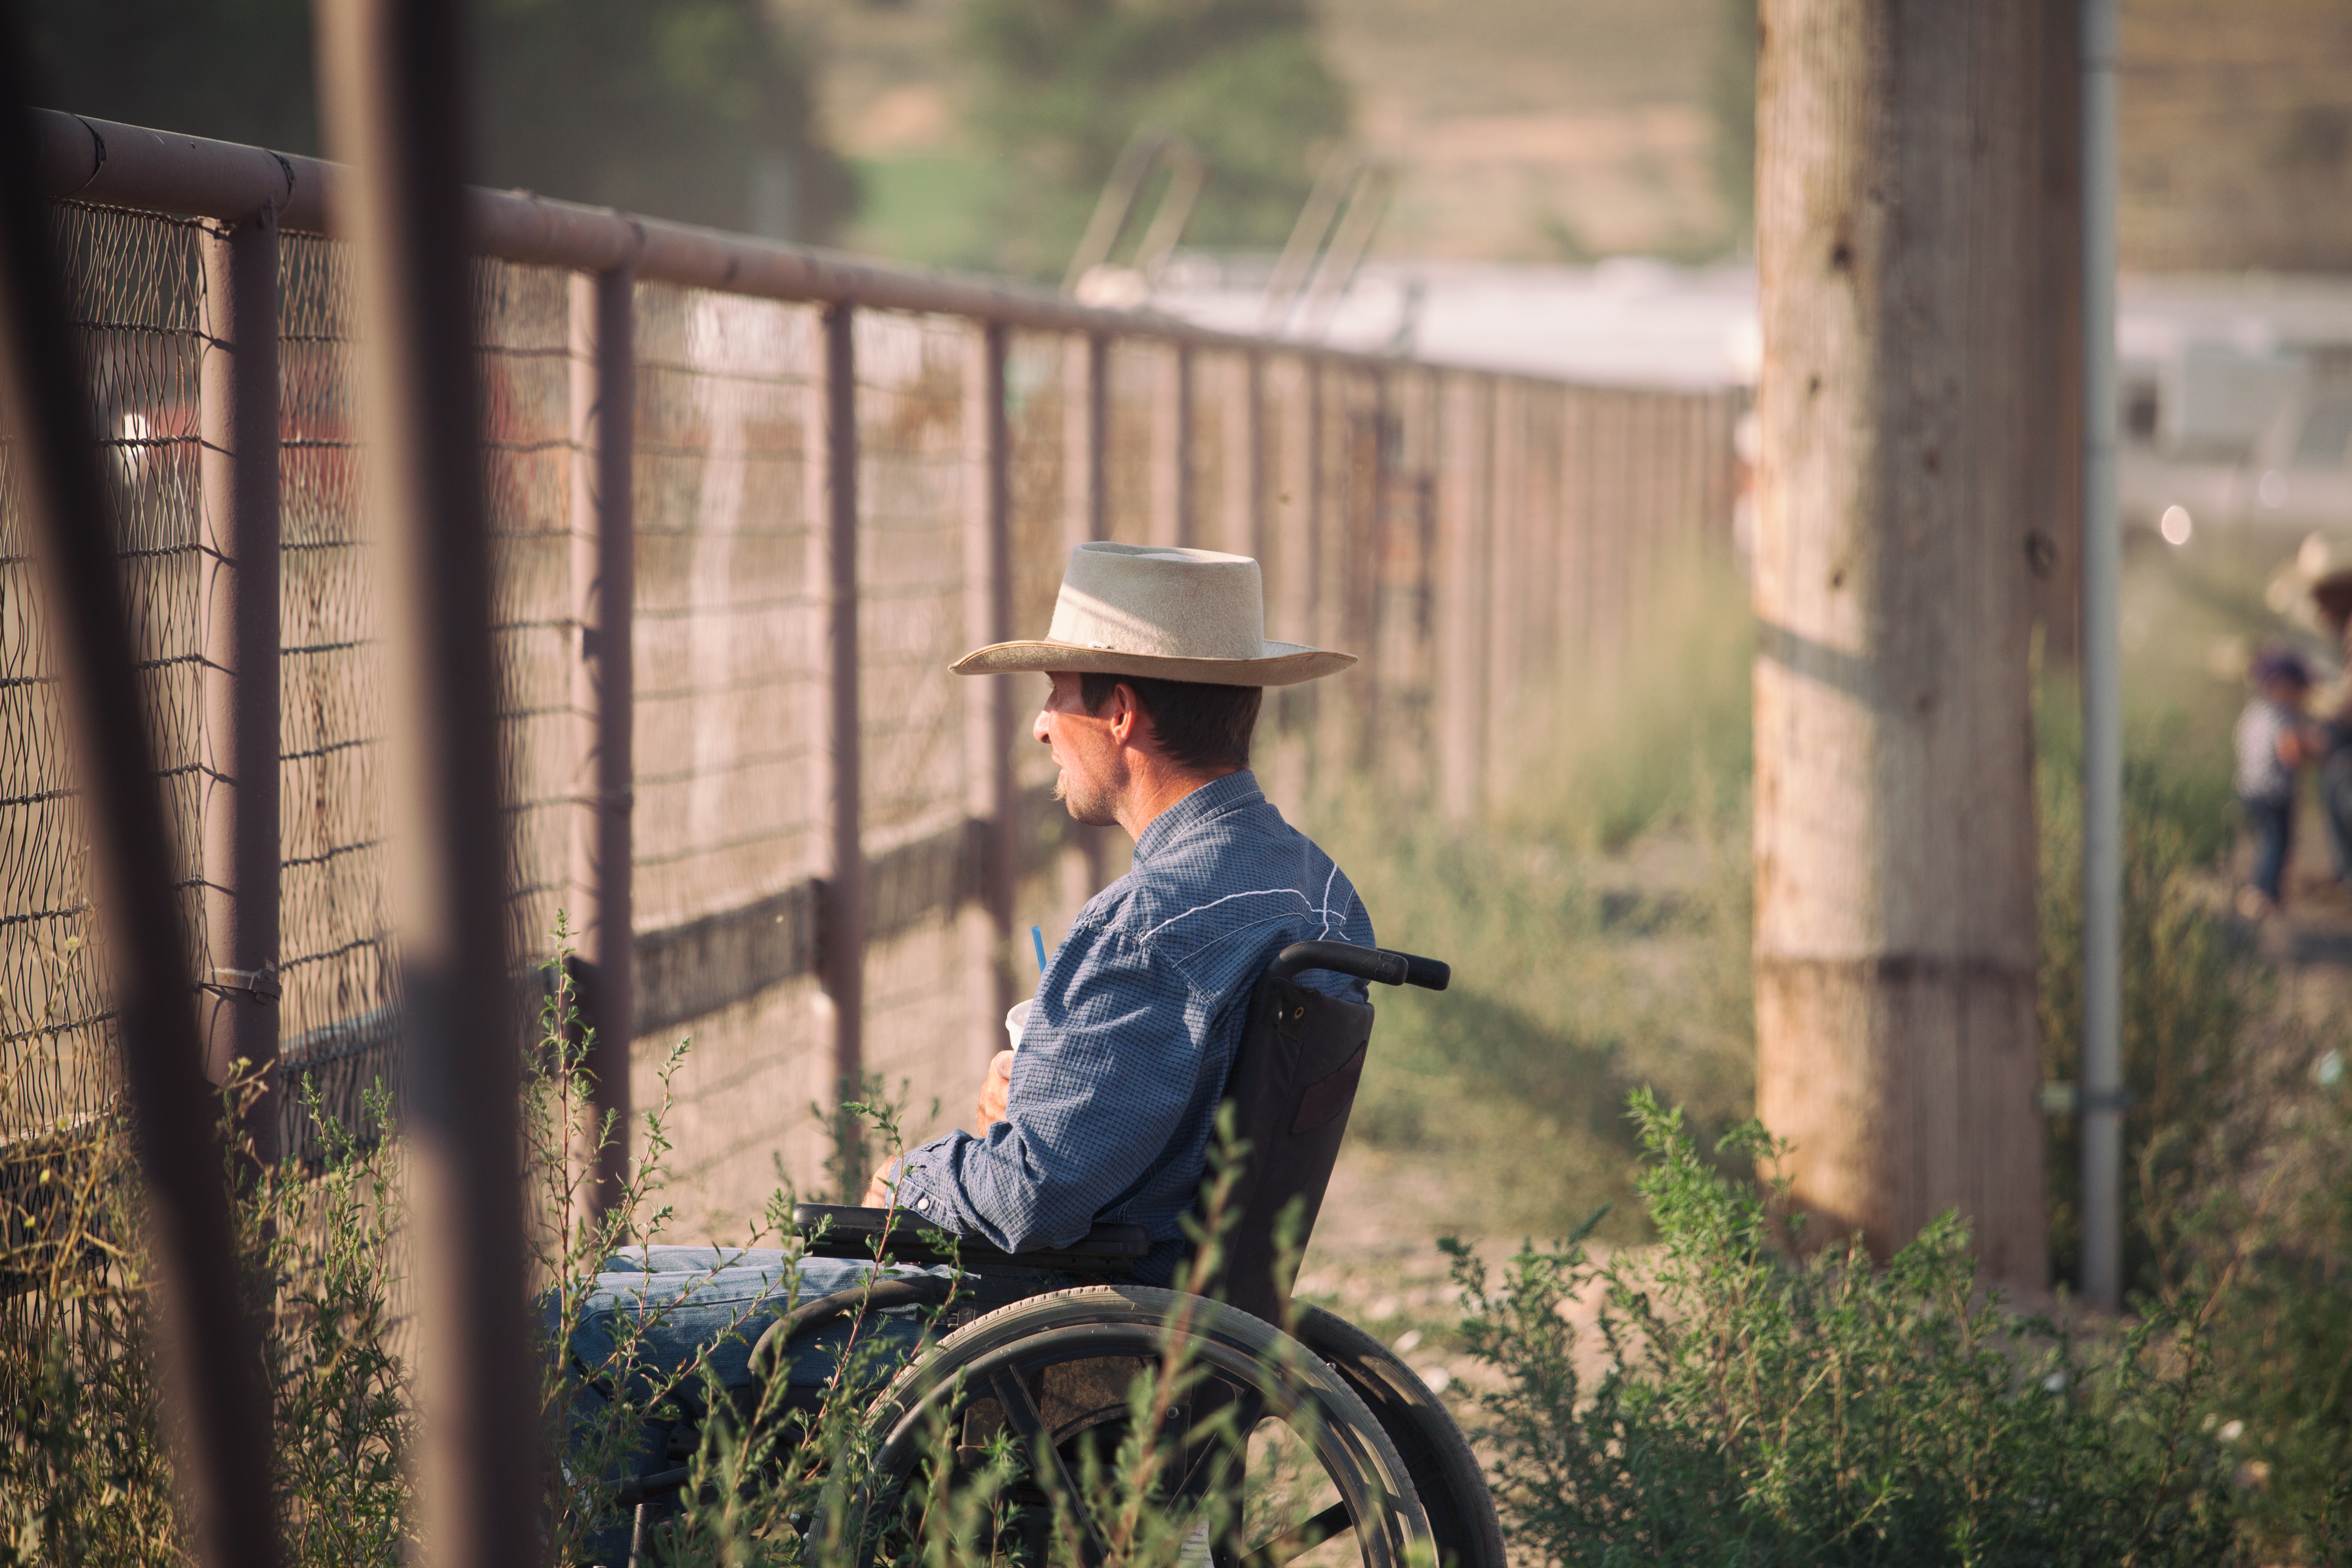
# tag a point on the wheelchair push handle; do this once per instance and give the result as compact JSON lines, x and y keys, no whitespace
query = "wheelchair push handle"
{"x":1364,"y":962}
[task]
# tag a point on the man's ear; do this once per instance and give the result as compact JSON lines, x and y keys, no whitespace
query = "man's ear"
{"x":1125,"y":713}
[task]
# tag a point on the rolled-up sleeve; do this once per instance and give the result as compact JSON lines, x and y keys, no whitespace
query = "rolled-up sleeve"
{"x":1101,"y":1086}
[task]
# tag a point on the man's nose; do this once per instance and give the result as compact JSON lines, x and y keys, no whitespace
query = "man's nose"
{"x":1037,"y":727}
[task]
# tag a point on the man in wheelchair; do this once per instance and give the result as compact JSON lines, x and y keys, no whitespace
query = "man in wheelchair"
{"x":1156,"y":659}
{"x":1093,"y":1133}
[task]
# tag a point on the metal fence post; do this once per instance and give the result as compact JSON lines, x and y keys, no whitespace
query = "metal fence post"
{"x":604,"y":590}
{"x":1572,"y":587}
{"x":1085,"y":510}
{"x":1374,"y":551}
{"x":1540,"y":539}
{"x":1242,"y":457}
{"x":393,"y":93}
{"x":212,"y":1342}
{"x":1642,"y":512}
{"x":1172,"y":447}
{"x":1420,"y":759}
{"x":1291,"y":568}
{"x":1086,"y":439}
{"x":1604,"y":538}
{"x":833,"y":535}
{"x":236,"y":399}
{"x":988,"y":618}
{"x":1461,"y":727}
{"x":1330,"y":523}
{"x":1504,"y":565}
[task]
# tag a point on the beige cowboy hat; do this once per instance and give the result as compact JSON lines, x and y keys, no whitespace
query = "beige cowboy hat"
{"x":1161,"y":612}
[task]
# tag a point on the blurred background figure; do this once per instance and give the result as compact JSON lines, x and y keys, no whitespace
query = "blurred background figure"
{"x":2274,"y":739}
{"x":2331,"y":600}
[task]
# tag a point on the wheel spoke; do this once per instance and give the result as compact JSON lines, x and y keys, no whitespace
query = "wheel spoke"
{"x":1249,"y":1409}
{"x":1011,"y":1391}
{"x":1299,"y":1538}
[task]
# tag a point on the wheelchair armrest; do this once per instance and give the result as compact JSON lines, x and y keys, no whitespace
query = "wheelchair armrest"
{"x":839,"y":1230}
{"x":1377,"y":963}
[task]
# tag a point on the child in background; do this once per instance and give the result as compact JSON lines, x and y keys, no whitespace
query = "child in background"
{"x":2274,"y":743}
{"x":2331,"y":598}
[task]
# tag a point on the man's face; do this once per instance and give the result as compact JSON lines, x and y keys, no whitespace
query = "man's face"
{"x":2285,"y":693}
{"x":1089,"y":748}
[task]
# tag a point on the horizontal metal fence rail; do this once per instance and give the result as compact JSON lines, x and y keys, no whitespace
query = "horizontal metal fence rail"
{"x":745,"y":500}
{"x":104,"y":162}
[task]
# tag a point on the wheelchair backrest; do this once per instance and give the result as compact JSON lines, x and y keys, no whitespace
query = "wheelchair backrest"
{"x":1291,"y":1087}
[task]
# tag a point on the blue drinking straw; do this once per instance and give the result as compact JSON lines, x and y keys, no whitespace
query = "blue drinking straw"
{"x":1037,"y":935}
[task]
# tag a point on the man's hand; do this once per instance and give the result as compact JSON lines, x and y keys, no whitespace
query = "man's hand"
{"x":879,"y":1195}
{"x":993,"y":1090}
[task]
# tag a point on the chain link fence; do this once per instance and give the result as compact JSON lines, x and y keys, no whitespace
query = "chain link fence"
{"x":1475,"y":537}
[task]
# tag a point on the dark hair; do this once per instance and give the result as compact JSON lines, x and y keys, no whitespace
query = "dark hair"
{"x":1197,"y":724}
{"x":2280,"y":664}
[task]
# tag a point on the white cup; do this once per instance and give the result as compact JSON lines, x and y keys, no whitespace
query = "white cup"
{"x":1016,"y":1017}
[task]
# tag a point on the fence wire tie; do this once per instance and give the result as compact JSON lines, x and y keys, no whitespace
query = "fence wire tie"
{"x":2061,"y":1098}
{"x":260,"y":984}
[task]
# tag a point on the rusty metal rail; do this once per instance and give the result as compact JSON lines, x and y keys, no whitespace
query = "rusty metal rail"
{"x":91,"y":159}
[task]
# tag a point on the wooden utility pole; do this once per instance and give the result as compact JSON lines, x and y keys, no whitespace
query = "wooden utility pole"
{"x":1898,"y":247}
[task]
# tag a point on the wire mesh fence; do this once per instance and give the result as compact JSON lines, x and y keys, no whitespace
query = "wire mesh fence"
{"x":133,"y":288}
{"x":1474,"y":538}
{"x":336,"y":963}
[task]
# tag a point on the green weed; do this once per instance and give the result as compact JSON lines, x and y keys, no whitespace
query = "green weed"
{"x":1759,"y":1407}
{"x":759,"y":1475}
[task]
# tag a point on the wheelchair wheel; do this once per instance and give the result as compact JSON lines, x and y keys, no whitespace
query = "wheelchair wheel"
{"x":1445,"y":1472}
{"x":1324,"y":1486}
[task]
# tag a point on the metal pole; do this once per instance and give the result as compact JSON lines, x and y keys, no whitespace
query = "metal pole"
{"x":1461,"y":592}
{"x":1333,"y":702}
{"x":1243,"y":457}
{"x":1421,"y":766}
{"x":236,"y":399}
{"x":604,"y":585}
{"x":1085,"y":433}
{"x":1573,"y":582}
{"x":1505,"y":569}
{"x":2103,"y":730}
{"x":1606,"y":544}
{"x":1289,"y":567}
{"x":988,"y":618}
{"x":392,"y":94}
{"x":212,"y":1342}
{"x":842,"y":940}
{"x":1085,"y":509}
{"x":1371,"y":603}
{"x":1171,"y":447}
{"x":1313,"y":549}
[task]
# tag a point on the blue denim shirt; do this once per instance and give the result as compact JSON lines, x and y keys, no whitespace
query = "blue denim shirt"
{"x":1122,"y":1062}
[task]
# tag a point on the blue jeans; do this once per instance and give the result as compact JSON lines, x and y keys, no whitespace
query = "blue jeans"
{"x":2273,"y":823}
{"x":2336,"y":795}
{"x":681,"y":1300}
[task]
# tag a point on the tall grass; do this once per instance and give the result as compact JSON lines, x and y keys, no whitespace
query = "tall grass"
{"x":1758,"y":1404}
{"x":85,"y":1468}
{"x":1598,"y":923}
{"x":765,"y":1474}
{"x":2193,"y":991}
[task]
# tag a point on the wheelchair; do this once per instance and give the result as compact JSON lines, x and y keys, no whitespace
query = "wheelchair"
{"x":1043,"y":1346}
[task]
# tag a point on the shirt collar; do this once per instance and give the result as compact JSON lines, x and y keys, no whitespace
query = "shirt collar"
{"x":1234,"y":791}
